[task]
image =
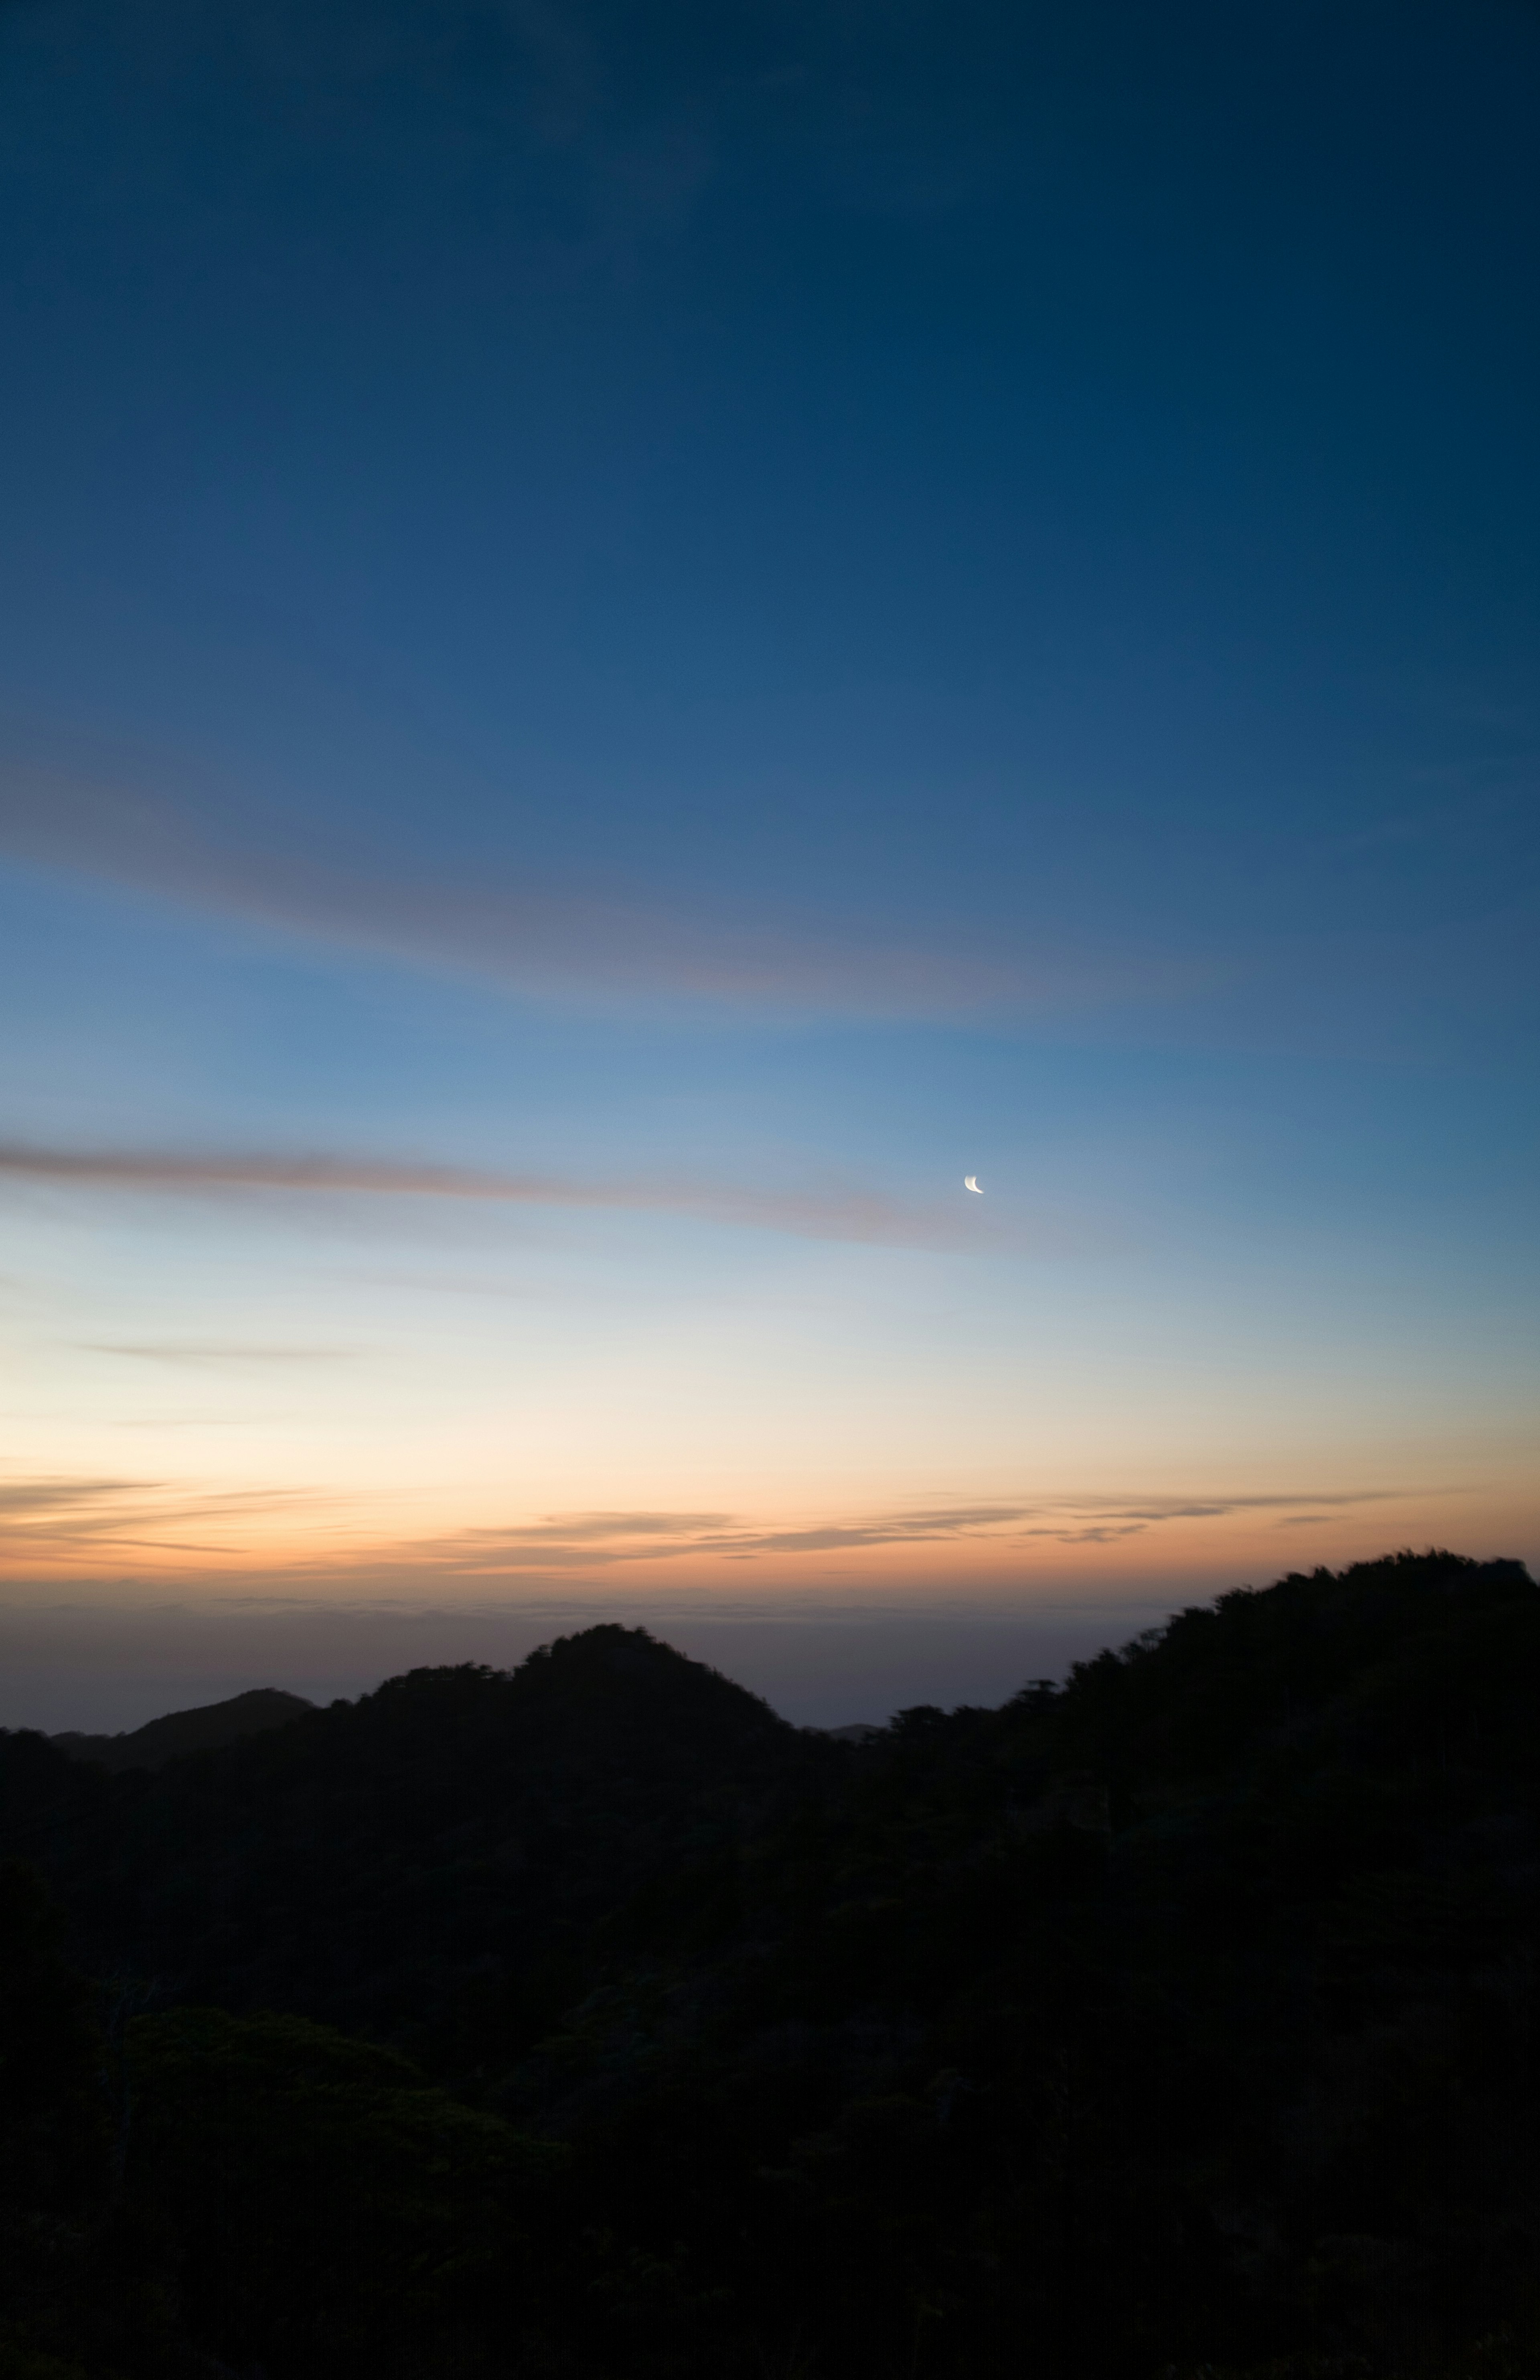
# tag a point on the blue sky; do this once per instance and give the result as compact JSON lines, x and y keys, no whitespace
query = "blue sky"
{"x":653,"y":633}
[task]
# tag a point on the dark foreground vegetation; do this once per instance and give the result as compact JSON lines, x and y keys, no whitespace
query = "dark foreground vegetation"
{"x":591,"y":2021}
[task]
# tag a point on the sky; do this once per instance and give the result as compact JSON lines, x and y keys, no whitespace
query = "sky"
{"x":636,"y":638}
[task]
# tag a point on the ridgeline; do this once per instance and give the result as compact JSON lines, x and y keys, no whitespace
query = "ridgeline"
{"x":205,"y":1729}
{"x":592,"y":2021}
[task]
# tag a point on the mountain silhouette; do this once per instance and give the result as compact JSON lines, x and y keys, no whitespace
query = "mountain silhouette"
{"x":590,"y":2018}
{"x":203,"y":1730}
{"x":387,"y":1863}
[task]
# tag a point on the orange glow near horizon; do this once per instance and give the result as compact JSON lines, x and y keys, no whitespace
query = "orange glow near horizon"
{"x":319,"y":1407}
{"x":993,"y":1552}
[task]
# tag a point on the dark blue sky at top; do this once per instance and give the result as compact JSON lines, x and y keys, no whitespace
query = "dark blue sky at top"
{"x":1008,"y":470}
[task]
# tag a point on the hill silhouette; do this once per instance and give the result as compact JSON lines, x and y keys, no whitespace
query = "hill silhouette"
{"x":398,"y":1862}
{"x":203,"y":1730}
{"x":1175,"y":2022}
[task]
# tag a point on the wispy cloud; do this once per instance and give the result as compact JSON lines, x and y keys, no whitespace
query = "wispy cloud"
{"x":56,"y":1517}
{"x":201,"y":1355}
{"x":24,"y":1500}
{"x":1099,"y":1521}
{"x":330,"y":1541}
{"x":577,"y":1540}
{"x":850,"y":1214}
{"x":547,"y":939}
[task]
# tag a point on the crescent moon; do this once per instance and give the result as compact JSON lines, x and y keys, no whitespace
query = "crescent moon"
{"x":970,"y":1182}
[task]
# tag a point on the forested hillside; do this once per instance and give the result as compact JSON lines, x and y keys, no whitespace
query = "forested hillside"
{"x":592,"y":2021}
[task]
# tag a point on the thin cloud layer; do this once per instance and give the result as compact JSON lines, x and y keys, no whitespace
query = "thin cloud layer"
{"x":547,"y":939}
{"x":568,"y":1541}
{"x":862,"y":1216}
{"x":57,"y":1519}
{"x":60,"y":1521}
{"x":26,"y":1502}
{"x":201,"y":1355}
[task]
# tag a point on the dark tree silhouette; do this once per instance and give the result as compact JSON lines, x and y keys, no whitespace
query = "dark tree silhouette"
{"x":1179,"y":2021}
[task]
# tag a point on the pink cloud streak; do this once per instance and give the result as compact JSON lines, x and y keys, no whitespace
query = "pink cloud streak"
{"x":859,"y":1215}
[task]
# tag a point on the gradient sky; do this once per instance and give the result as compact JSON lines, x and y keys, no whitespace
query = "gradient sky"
{"x":634,"y":639}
